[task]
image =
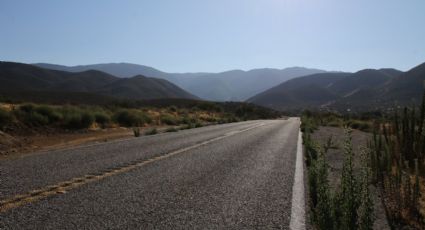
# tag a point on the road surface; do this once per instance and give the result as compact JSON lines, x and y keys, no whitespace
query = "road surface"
{"x":236,"y":176}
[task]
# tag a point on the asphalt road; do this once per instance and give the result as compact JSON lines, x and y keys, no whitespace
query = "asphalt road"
{"x":233,"y":176}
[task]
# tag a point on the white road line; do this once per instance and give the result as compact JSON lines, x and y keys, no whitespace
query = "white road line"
{"x":298,"y":201}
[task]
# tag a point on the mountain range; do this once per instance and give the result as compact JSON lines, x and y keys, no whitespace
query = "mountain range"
{"x":18,"y":77}
{"x":234,"y":85}
{"x":369,"y":89}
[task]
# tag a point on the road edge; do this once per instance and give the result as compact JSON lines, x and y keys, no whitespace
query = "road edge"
{"x":298,"y":196}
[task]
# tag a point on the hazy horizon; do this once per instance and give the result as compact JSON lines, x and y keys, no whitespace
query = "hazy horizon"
{"x":216,"y":36}
{"x":228,"y":70}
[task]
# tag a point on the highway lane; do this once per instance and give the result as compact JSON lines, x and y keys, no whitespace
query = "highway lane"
{"x":45,"y":168}
{"x":227,"y":176}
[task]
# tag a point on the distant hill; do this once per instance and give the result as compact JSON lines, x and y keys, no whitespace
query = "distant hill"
{"x":238,"y":85}
{"x":302,"y":92}
{"x":234,"y":85}
{"x":122,"y":70}
{"x":61,"y":98}
{"x":17,"y":77}
{"x":141,"y":87}
{"x":408,"y":87}
{"x":367,"y":89}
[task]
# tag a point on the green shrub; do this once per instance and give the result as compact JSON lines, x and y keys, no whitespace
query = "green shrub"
{"x":72,"y":121}
{"x":78,"y":120}
{"x":366,"y":127}
{"x":350,"y":188}
{"x":102,"y":118}
{"x":350,"y":206}
{"x":172,"y":109}
{"x":30,"y":117}
{"x":38,"y":115}
{"x":49,"y":112}
{"x":308,"y":124}
{"x":147,"y":118}
{"x":310,"y":149}
{"x":136,"y":131}
{"x":323,"y":209}
{"x":187,"y":120}
{"x":211,"y":119}
{"x":37,"y":119}
{"x":232,"y":119}
{"x":397,"y":162}
{"x":28,"y":108}
{"x":87,"y":119}
{"x":168,"y":119}
{"x":5,"y":118}
{"x":365,"y":211}
{"x":359,"y":125}
{"x":188,"y":126}
{"x":353,"y":124}
{"x":209,"y":106}
{"x":152,"y":131}
{"x":130,"y":118}
{"x":171,"y":129}
{"x":334,"y":123}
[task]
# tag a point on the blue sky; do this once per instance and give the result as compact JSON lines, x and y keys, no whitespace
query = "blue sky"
{"x":216,"y":35}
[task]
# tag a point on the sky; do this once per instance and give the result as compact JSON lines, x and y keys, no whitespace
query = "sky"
{"x":216,"y":35}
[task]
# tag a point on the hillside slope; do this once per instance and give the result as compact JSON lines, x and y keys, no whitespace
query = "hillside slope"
{"x":16,"y":77}
{"x":308,"y":91}
{"x":367,"y":89}
{"x":234,"y":85}
{"x":407,"y":87}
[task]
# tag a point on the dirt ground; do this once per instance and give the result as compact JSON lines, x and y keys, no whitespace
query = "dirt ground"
{"x":335,"y":159}
{"x":18,"y":145}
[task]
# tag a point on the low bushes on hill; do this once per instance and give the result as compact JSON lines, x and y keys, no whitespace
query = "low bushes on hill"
{"x":137,"y":113}
{"x":359,"y":122}
{"x":172,"y":109}
{"x":29,"y":115}
{"x":70,"y":117}
{"x":75,"y":118}
{"x":208,"y":106}
{"x":49,"y":112}
{"x":131,"y":118}
{"x":102,"y":118}
{"x":169,"y":119}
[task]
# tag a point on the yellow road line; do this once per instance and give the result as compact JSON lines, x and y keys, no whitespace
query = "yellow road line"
{"x":63,"y":187}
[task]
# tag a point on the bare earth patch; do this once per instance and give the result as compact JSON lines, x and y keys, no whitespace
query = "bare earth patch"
{"x":18,"y":145}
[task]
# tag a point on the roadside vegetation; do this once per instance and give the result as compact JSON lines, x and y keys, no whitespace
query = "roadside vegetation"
{"x":360,"y":121}
{"x":56,"y":121}
{"x":393,"y":161}
{"x":349,"y":204}
{"x":29,"y":116}
{"x":398,"y":166}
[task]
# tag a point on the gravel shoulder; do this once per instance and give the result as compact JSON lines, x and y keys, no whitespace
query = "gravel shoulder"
{"x":19,"y":145}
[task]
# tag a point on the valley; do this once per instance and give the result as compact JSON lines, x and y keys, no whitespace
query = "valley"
{"x":214,"y":114}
